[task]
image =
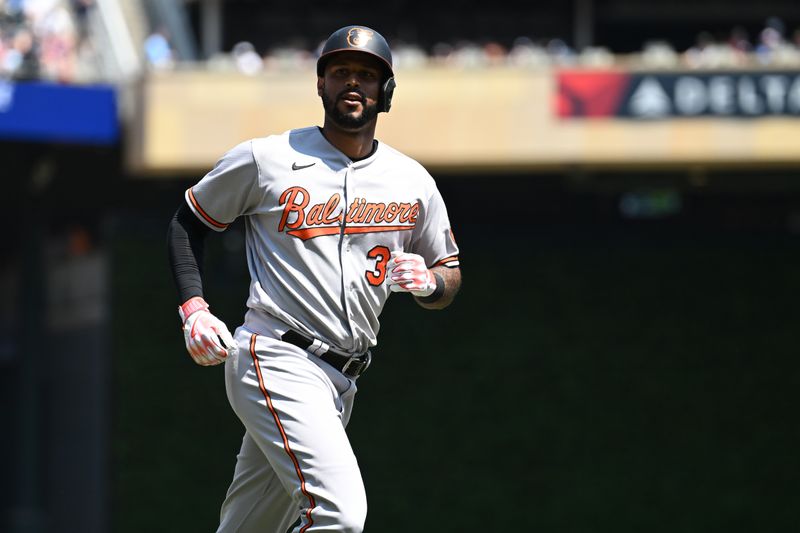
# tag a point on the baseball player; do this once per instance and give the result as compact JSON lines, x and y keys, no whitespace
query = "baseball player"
{"x":335,"y":223}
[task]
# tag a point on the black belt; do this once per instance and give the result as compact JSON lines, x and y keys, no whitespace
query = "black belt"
{"x":351,"y":366}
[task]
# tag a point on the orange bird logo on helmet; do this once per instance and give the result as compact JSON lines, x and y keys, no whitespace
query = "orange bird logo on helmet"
{"x":359,"y":37}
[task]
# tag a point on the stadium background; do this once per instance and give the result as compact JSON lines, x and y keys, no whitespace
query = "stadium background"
{"x":623,"y":353}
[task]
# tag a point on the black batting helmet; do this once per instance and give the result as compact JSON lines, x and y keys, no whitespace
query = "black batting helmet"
{"x":362,"y":39}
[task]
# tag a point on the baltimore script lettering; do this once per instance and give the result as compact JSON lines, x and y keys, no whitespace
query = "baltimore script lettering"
{"x":326,"y":216}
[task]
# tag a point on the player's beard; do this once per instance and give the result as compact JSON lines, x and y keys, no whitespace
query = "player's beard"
{"x":348,"y":121}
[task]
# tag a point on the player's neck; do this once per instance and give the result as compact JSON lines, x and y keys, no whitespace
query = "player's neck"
{"x":354,"y":144}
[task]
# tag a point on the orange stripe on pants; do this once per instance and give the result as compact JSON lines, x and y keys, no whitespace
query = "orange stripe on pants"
{"x":286,"y":446}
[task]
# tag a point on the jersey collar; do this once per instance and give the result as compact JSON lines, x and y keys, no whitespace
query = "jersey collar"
{"x":338,"y":155}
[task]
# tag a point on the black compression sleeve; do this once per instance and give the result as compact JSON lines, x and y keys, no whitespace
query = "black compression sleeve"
{"x":186,"y":241}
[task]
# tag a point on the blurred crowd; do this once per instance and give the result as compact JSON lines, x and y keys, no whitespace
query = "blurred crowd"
{"x":772,"y":46}
{"x":44,"y":39}
{"x":49,"y":39}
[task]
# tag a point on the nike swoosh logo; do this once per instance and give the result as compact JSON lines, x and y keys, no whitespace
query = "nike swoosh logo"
{"x":295,"y":166}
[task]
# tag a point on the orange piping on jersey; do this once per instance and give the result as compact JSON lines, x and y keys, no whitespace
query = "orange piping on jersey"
{"x":204,"y":214}
{"x":309,"y":233}
{"x":292,"y":456}
{"x":446,"y":260}
{"x":376,"y":229}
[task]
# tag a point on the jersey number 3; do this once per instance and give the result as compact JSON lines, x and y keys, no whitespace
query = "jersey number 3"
{"x":381,"y":255}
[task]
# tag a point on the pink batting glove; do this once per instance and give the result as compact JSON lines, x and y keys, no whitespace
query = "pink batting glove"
{"x":207,"y":338}
{"x":408,"y":273}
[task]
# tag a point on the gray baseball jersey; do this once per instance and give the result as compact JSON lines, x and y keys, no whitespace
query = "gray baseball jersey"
{"x":320,"y":228}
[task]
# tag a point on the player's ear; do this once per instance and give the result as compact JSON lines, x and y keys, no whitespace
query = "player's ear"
{"x":320,"y":85}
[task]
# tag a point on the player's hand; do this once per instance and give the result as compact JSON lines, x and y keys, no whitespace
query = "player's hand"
{"x":207,"y":338}
{"x":408,"y":273}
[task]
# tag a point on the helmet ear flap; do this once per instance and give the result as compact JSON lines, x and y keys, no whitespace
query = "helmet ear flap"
{"x":386,"y":95}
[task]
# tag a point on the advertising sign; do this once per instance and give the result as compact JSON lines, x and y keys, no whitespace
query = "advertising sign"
{"x":34,"y":111}
{"x":661,"y":95}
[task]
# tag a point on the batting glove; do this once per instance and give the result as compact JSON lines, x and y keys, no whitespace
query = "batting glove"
{"x":207,"y":338}
{"x":408,"y":273}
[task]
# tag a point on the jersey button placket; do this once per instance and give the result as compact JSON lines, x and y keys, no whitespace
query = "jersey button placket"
{"x":354,"y":285}
{"x":346,"y":275}
{"x":349,"y":189}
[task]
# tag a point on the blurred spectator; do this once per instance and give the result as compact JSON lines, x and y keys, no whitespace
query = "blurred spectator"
{"x":659,"y":54}
{"x":247,"y":59}
{"x":773,"y":48}
{"x":696,"y":55}
{"x":770,"y":41}
{"x":158,"y":51}
{"x":82,"y":10}
{"x":58,"y":37}
{"x":20,"y":59}
{"x":440,"y":53}
{"x":740,"y":40}
{"x":560,"y":52}
{"x":525,"y":53}
{"x":495,"y":53}
{"x":777,"y":24}
{"x":596,"y":56}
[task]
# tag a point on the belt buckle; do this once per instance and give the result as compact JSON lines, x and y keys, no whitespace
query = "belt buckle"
{"x":361,"y":363}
